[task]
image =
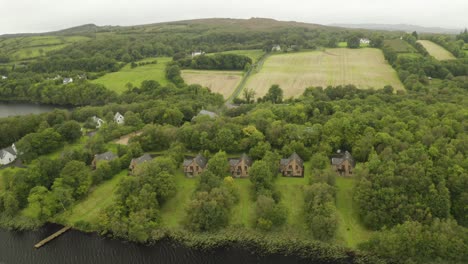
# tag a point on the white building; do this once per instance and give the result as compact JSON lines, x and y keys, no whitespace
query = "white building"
{"x":98,"y":121}
{"x":276,"y":48}
{"x":8,"y":155}
{"x":119,"y":119}
{"x":364,"y":41}
{"x":67,"y":80}
{"x":197,"y":53}
{"x":4,"y":77}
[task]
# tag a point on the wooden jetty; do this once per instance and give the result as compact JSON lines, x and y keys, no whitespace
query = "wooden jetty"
{"x":52,"y":237}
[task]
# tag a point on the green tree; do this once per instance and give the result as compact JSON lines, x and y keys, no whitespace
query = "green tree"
{"x":354,"y":42}
{"x":274,"y":94}
{"x":218,"y":164}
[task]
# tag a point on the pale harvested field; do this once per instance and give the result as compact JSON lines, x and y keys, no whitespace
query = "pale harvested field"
{"x":223,"y":82}
{"x":365,"y":68}
{"x":436,"y":51}
{"x":124,"y":139}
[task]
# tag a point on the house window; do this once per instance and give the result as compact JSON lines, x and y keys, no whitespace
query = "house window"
{"x":191,"y":168}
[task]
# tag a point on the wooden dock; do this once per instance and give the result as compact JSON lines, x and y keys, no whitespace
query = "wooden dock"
{"x":52,"y":237}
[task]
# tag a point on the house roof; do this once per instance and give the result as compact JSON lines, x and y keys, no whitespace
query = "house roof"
{"x":117,"y":115}
{"x":199,"y":159}
{"x":339,"y":158}
{"x":244,"y":157}
{"x":105,"y":156}
{"x":208,"y":113}
{"x":294,"y":156}
{"x":144,"y":158}
{"x":11,"y":149}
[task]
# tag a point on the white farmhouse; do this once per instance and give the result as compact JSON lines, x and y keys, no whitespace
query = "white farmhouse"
{"x":197,"y":53}
{"x":8,"y":155}
{"x":276,"y":48}
{"x":4,"y":77}
{"x":364,"y":41}
{"x":98,"y":121}
{"x":67,"y":80}
{"x":119,"y":118}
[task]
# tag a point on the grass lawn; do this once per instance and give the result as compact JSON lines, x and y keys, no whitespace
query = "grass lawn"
{"x":173,"y":212}
{"x":437,"y":51}
{"x":116,"y":81}
{"x":292,"y":196}
{"x":89,"y":209}
{"x":350,"y":229}
{"x":223,"y":82}
{"x":365,"y":68}
{"x":242,"y":213}
{"x":78,"y":144}
{"x":343,"y":44}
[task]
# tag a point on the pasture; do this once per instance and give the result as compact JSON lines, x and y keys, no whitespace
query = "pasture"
{"x":26,"y":48}
{"x":436,"y":51}
{"x":365,"y":68}
{"x":223,"y":82}
{"x":117,"y":81}
{"x":399,"y":46}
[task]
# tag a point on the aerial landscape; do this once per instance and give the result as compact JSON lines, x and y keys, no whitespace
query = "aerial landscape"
{"x":194,"y":139}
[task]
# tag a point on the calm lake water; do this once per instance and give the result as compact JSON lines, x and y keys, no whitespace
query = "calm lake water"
{"x":14,"y":109}
{"x":77,"y":247}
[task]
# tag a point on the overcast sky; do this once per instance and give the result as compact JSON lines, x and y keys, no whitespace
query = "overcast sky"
{"x":47,"y":15}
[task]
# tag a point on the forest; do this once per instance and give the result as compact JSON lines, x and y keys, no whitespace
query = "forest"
{"x":410,"y":147}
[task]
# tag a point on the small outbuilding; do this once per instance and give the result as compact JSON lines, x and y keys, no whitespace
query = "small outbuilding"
{"x":292,"y":166}
{"x":67,"y":80}
{"x":8,"y":155}
{"x":106,"y":156}
{"x":194,"y":167}
{"x":343,"y":163}
{"x":240,"y":167}
{"x":119,"y":118}
{"x":138,"y":161}
{"x":98,"y":121}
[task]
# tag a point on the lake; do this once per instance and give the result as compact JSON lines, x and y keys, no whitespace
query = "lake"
{"x":77,"y":247}
{"x":15,"y":109}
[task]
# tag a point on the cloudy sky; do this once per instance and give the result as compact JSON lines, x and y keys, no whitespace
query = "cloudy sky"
{"x":46,"y":15}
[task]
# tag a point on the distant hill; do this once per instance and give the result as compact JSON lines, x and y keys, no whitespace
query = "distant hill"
{"x":252,"y":24}
{"x":401,"y":27}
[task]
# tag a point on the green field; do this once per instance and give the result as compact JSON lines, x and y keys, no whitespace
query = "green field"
{"x":399,"y":46}
{"x":436,"y":51}
{"x":365,"y":68}
{"x":26,"y":48}
{"x":117,"y":81}
{"x":89,"y":209}
{"x":350,"y":230}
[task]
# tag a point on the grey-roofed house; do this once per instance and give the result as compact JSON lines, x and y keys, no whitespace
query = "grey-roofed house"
{"x":292,"y":166}
{"x":106,"y":156}
{"x":194,"y":167}
{"x":240,"y":167}
{"x":343,"y":163}
{"x":8,"y":155}
{"x":138,"y":161}
{"x":206,"y":113}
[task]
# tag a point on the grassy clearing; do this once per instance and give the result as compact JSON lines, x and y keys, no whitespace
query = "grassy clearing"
{"x":436,"y":51}
{"x":116,"y":81}
{"x":223,"y":82}
{"x":350,"y":230}
{"x":173,"y":212}
{"x":365,"y":68}
{"x":399,"y":46}
{"x":343,"y":44}
{"x":89,"y":209}
{"x":292,"y":196}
